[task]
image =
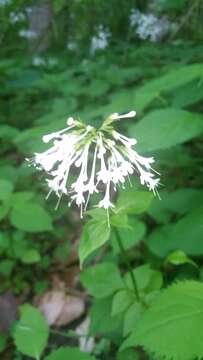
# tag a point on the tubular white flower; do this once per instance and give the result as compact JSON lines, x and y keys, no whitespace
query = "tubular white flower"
{"x":116,"y":116}
{"x":113,"y":161}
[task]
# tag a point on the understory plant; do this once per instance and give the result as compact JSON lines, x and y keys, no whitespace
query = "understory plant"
{"x":131,"y":309}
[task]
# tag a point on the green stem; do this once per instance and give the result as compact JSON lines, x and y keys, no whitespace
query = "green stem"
{"x":127,"y":262}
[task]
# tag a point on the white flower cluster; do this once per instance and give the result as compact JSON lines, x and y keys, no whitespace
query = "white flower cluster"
{"x":27,"y":34}
{"x":148,"y":26}
{"x":71,"y":45}
{"x":40,"y":61}
{"x":100,"y":40}
{"x":113,"y":160}
{"x":16,"y":17}
{"x":5,"y":2}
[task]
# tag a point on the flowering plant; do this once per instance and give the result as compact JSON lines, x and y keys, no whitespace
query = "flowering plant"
{"x":114,"y":159}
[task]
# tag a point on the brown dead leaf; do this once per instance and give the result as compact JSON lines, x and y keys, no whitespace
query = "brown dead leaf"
{"x":51,"y":305}
{"x":59,"y":308}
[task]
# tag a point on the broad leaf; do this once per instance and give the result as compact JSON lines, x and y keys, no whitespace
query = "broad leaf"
{"x":130,"y":236}
{"x":6,"y":189}
{"x":133,"y":202}
{"x":172,"y":326}
{"x":128,"y":354}
{"x":122,"y":300}
{"x":185,"y":235}
{"x":31,"y":332}
{"x":102,"y":321}
{"x":102,"y":280}
{"x":176,"y":78}
{"x":95,"y":234}
{"x":147,"y":279}
{"x":31,"y":218}
{"x":162,"y":129}
{"x":71,"y":353}
{"x":30,"y":256}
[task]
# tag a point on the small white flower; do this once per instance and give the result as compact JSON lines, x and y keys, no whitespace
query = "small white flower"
{"x":16,"y":17}
{"x":27,"y":34}
{"x":113,"y":160}
{"x":38,"y":61}
{"x":149,"y":26}
{"x":100,"y":40}
{"x":5,"y":2}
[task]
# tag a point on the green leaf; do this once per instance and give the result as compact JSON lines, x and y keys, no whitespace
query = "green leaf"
{"x":31,"y":332}
{"x":165,"y":328}
{"x":102,"y":280}
{"x":132,"y":317}
{"x":179,"y":258}
{"x":31,"y":218}
{"x":119,"y":220}
{"x":102,"y":321}
{"x":147,"y":279}
{"x":133,"y":202}
{"x":130,"y":237}
{"x":186,"y":235}
{"x":187,"y":95}
{"x":6,"y":189}
{"x":58,"y":5}
{"x":19,"y":198}
{"x":4,"y":209}
{"x":4,"y":241}
{"x":162,"y":129}
{"x":174,"y":79}
{"x":180,"y":201}
{"x":71,"y":353}
{"x":95,"y":234}
{"x":127,"y":354}
{"x":6,"y":267}
{"x":7,"y":132}
{"x":31,"y":256}
{"x":122,"y":300}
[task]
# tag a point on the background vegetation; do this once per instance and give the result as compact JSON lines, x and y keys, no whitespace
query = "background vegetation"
{"x":51,"y":67}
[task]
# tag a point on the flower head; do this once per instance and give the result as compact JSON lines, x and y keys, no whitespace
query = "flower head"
{"x":97,"y":157}
{"x":149,"y":26}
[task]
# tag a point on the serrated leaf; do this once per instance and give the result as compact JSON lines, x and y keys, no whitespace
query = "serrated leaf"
{"x":71,"y":353}
{"x":31,"y":218}
{"x":31,"y":332}
{"x":95,"y":234}
{"x":162,"y":129}
{"x":165,"y":328}
{"x":102,"y":280}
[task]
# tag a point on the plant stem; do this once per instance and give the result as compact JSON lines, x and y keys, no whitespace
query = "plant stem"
{"x":127,"y":262}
